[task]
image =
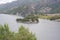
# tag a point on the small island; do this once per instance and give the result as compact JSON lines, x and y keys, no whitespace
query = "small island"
{"x":35,"y":18}
{"x":28,"y":19}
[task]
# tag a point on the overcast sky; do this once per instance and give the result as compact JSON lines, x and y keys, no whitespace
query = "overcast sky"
{"x":5,"y":1}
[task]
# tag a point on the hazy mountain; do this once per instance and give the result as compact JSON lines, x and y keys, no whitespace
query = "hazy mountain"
{"x":30,"y":6}
{"x":55,"y":8}
{"x":20,"y":2}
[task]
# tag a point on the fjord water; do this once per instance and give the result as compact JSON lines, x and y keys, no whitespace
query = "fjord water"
{"x":44,"y":30}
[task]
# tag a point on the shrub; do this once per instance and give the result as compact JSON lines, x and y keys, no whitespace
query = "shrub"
{"x":22,"y":34}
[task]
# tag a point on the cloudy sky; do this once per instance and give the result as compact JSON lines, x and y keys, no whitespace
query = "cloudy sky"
{"x":5,"y":1}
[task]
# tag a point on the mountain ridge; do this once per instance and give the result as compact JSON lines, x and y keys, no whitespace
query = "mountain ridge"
{"x":20,"y":2}
{"x":31,"y":6}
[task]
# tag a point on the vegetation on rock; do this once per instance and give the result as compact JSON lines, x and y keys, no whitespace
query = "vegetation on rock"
{"x":29,"y":18}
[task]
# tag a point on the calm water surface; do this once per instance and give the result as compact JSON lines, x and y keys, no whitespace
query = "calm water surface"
{"x":44,"y":30}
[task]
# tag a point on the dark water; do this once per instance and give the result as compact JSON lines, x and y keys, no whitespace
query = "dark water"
{"x":44,"y":30}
